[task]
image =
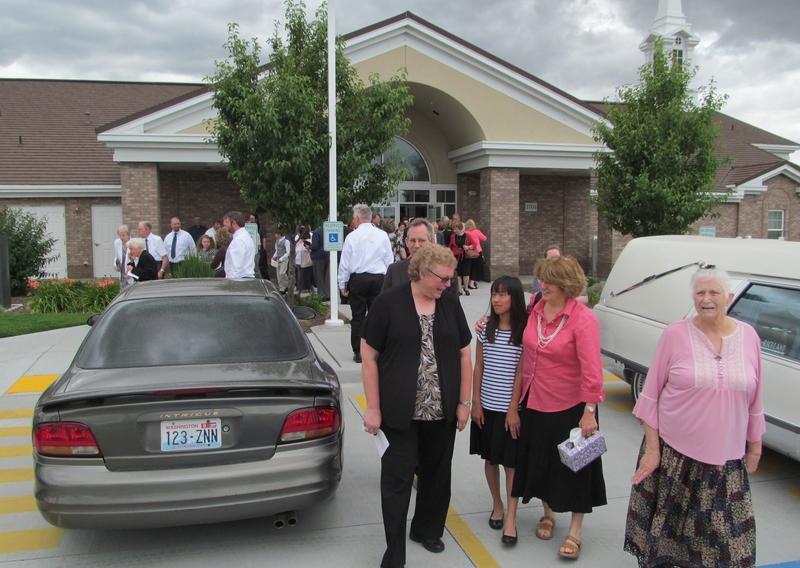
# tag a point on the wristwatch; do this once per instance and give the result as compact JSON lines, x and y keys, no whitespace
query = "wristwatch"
{"x":591,"y":408}
{"x":466,"y":403}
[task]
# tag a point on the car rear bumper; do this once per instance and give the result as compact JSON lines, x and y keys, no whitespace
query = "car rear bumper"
{"x":90,"y":496}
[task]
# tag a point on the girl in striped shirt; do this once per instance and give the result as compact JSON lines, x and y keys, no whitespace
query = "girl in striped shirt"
{"x":493,"y":434}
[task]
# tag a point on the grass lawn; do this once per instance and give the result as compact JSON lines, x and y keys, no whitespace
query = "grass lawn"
{"x":15,"y":323}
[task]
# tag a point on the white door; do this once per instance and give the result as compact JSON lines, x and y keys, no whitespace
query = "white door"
{"x":53,"y":215}
{"x":105,"y":220}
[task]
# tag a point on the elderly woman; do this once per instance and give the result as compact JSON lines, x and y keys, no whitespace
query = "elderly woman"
{"x":206,"y":247}
{"x":141,"y":264}
{"x":398,"y":247}
{"x":417,"y":373}
{"x":121,"y":255}
{"x":560,"y":383}
{"x":703,"y":420}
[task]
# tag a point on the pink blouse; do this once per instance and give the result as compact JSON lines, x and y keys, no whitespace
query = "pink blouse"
{"x":477,"y":237}
{"x":568,"y":370}
{"x":705,"y":406}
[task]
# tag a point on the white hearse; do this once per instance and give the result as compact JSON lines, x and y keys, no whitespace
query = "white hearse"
{"x":648,"y":288}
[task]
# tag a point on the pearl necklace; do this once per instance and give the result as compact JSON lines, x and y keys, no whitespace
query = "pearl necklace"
{"x":544,"y":340}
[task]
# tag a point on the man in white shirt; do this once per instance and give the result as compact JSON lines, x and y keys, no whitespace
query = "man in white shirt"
{"x":179,"y":244}
{"x":154,"y":245}
{"x":366,"y":255}
{"x":240,"y":258}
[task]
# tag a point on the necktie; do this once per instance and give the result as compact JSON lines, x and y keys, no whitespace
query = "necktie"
{"x":146,"y":247}
{"x":174,"y":244}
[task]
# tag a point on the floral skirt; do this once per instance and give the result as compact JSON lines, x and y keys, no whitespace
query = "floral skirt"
{"x":688,"y":513}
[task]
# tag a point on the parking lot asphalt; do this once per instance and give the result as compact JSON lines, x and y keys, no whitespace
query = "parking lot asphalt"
{"x":346,"y":531}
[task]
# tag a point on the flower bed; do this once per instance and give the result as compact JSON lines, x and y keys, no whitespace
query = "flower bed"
{"x":70,"y":296}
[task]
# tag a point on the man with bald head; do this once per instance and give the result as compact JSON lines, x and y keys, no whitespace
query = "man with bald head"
{"x":179,"y":244}
{"x":154,"y":245}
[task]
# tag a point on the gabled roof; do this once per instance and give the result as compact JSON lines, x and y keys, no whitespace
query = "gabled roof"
{"x":47,"y":127}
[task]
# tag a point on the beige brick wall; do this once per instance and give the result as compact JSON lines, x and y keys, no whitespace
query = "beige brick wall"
{"x":140,"y":195}
{"x":499,"y":214}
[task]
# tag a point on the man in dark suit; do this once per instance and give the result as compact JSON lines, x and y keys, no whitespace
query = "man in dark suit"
{"x":142,"y":265}
{"x":419,"y":233}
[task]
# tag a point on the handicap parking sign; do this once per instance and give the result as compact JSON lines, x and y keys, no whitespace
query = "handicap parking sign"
{"x":333,"y":235}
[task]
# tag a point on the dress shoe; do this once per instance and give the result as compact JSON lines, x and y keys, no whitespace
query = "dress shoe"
{"x":509,"y":540}
{"x":495,"y":524}
{"x":431,"y":545}
{"x":466,"y":291}
{"x":357,"y":357}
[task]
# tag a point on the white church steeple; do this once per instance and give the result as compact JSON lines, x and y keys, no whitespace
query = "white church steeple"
{"x":671,"y":25}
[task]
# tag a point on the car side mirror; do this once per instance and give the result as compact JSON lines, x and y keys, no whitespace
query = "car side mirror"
{"x":304,"y":313}
{"x":92,"y":319}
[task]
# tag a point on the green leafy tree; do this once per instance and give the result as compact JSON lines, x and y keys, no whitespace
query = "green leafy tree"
{"x":658,"y":177}
{"x":272,"y":124}
{"x":29,"y":247}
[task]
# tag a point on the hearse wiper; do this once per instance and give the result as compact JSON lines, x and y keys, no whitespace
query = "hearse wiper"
{"x":652,"y":277}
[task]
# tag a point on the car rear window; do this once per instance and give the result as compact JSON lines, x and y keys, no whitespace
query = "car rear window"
{"x":774,"y":312}
{"x":193,"y":331}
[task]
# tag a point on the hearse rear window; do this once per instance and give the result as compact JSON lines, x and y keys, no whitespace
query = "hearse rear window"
{"x":774,"y":312}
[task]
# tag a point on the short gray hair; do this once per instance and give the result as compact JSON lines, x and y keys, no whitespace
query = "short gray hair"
{"x":363,"y":212}
{"x":417,"y":221}
{"x":124,"y":229}
{"x":137,"y":243}
{"x":712,"y":273}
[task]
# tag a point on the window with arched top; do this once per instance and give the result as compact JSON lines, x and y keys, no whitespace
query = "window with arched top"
{"x":412,"y":160}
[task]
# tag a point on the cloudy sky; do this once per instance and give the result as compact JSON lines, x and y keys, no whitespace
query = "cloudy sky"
{"x":585,"y":47}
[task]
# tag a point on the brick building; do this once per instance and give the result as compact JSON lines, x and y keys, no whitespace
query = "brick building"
{"x":487,"y":139}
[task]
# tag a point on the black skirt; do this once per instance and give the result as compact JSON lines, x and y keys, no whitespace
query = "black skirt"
{"x":541,"y":474}
{"x":492,"y":442}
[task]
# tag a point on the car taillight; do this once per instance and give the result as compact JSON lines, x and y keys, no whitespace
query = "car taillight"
{"x":65,"y":439}
{"x":310,"y":423}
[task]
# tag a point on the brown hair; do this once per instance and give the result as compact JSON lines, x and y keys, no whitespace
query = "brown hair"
{"x":223,"y":237}
{"x":564,"y":272}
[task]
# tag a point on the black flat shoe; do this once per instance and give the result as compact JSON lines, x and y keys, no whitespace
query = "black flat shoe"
{"x":434,"y":545}
{"x":495,"y":524}
{"x":509,"y":540}
{"x":466,"y":292}
{"x":357,"y":357}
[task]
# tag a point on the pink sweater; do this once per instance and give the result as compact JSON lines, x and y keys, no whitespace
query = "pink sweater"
{"x":705,"y":407}
{"x":568,"y":371}
{"x":477,"y":237}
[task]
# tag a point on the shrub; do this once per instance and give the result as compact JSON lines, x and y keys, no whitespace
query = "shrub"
{"x":193,"y":266}
{"x":70,"y":296}
{"x":28,"y":247}
{"x":594,"y":297}
{"x":314,"y":301}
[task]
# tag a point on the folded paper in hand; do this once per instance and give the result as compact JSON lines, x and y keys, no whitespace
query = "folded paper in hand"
{"x":577,"y":452}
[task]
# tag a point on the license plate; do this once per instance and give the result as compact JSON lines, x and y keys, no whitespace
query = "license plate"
{"x":180,"y":435}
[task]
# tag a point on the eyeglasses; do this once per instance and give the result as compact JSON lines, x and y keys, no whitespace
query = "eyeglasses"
{"x":444,"y":280}
{"x":415,"y":241}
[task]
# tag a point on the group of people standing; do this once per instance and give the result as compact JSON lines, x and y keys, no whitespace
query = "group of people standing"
{"x":537,"y":376}
{"x":227,"y":246}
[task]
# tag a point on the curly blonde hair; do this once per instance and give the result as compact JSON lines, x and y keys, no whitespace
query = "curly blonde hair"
{"x":426,"y":257}
{"x":564,"y":272}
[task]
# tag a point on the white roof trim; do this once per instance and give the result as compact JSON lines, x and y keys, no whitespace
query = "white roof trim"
{"x":58,"y":191}
{"x":170,"y":120}
{"x":164,"y":148}
{"x":453,"y":54}
{"x":524,"y":155}
{"x":757,"y":186}
{"x":783,"y":151}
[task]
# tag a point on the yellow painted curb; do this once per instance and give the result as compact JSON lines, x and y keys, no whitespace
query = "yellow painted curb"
{"x":15,"y":475}
{"x":18,"y":413}
{"x":15,"y":431}
{"x":15,"y":451}
{"x":32,"y":539}
{"x":32,"y":383}
{"x":18,"y":504}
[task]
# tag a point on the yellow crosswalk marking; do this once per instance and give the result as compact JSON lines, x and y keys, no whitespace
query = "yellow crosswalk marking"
{"x":32,"y":539}
{"x":16,"y":475}
{"x":15,"y":431}
{"x":18,"y":504}
{"x":17,"y":413}
{"x":32,"y":383}
{"x":15,"y":451}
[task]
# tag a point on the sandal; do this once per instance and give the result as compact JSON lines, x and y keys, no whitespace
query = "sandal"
{"x":571,"y":548}
{"x":546,"y":524}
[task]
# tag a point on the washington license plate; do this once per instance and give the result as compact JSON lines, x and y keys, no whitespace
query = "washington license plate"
{"x":180,"y":435}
